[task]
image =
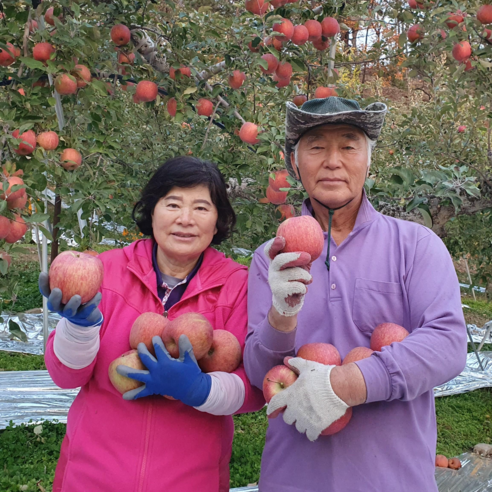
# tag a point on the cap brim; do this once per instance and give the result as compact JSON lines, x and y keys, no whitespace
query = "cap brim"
{"x":297,"y":122}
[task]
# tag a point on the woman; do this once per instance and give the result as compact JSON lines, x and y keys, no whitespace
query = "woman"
{"x":152,"y":443}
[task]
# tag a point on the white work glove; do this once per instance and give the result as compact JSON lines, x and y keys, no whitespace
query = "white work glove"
{"x":287,"y":277}
{"x":311,"y":402}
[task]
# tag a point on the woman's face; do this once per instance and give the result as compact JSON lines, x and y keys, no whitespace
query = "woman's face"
{"x":184,"y":222}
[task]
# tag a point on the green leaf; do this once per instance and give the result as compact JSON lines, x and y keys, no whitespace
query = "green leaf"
{"x":298,"y":65}
{"x":45,"y":232}
{"x":190,"y":90}
{"x":4,"y":266}
{"x":37,"y":218}
{"x":32,"y":63}
{"x":16,"y":332}
{"x":426,"y":216}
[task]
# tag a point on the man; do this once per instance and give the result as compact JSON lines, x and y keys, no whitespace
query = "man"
{"x":373,"y":269}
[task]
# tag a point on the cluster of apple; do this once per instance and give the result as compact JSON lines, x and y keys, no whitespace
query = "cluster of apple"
{"x":443,"y":462}
{"x":282,"y":376}
{"x":70,"y":159}
{"x":462,"y":50}
{"x":215,"y":350}
{"x":15,"y":196}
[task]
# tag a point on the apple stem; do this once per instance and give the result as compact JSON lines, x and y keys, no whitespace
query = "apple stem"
{"x":277,"y":382}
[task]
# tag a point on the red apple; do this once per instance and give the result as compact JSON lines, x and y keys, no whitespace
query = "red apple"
{"x":48,"y":140}
{"x":76,"y":273}
{"x":314,"y":28}
{"x":280,"y":180}
{"x":300,"y":36}
{"x":462,"y":51}
{"x":9,"y":195}
{"x":70,"y":159}
{"x":18,"y":228}
{"x":299,"y":100}
{"x":237,"y":79}
{"x":249,"y":133}
{"x":339,"y":424}
{"x":224,"y":355}
{"x":461,"y":129}
{"x":330,"y":27}
{"x":126,"y":58}
{"x":7,"y":57}
{"x":415,"y":33}
{"x":454,"y":19}
{"x":302,"y":234}
{"x":323,"y":92}
{"x":18,"y":202}
{"x":27,"y":141}
{"x":172,"y":106}
{"x":65,"y":84}
{"x":277,"y":379}
{"x":196,"y":327}
{"x":286,"y":28}
{"x":204,"y":107}
{"x":284,"y":70}
{"x":83,"y":75}
{"x":441,"y":461}
{"x":321,"y":44}
{"x":120,"y":34}
{"x":412,"y":4}
{"x":487,"y":34}
{"x":484,"y":14}
{"x":4,"y":227}
{"x":286,"y":211}
{"x":42,"y":51}
{"x":146,"y":326}
{"x":387,"y":333}
{"x":276,"y":197}
{"x":324,"y":353}
{"x":454,"y":463}
{"x":272,"y":63}
{"x":146,"y":91}
{"x":257,"y":7}
{"x":357,"y":353}
{"x":48,"y":16}
{"x":122,"y":383}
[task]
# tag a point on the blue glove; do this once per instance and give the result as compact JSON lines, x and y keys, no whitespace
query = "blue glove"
{"x":180,"y":378}
{"x":86,"y":315}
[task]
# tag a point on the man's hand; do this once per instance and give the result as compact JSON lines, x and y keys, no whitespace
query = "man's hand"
{"x":180,"y":378}
{"x":86,"y":314}
{"x":310,"y":402}
{"x":288,"y":277}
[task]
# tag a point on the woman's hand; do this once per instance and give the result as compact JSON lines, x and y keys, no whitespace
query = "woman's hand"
{"x":86,"y":314}
{"x":180,"y":378}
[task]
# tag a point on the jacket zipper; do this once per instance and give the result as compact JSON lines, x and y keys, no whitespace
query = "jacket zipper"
{"x":146,"y":448}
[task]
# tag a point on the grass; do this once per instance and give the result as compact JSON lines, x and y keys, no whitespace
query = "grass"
{"x":27,"y":458}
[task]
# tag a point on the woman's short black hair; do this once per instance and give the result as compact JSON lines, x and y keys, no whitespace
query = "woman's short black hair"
{"x":186,"y":172}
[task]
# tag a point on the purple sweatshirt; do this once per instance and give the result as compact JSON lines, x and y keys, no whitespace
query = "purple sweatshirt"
{"x":386,"y":270}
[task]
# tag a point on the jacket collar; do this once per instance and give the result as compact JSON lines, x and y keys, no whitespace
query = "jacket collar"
{"x":214,"y":270}
{"x":365,"y":215}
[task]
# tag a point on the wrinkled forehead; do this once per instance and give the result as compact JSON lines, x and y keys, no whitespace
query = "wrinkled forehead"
{"x":331,"y":131}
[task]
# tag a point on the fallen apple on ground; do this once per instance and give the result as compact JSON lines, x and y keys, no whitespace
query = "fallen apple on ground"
{"x":441,"y":461}
{"x":224,"y":355}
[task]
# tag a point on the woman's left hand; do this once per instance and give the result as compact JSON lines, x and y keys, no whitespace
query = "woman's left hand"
{"x":180,"y":378}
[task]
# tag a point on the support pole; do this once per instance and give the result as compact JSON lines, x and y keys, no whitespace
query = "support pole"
{"x":44,"y":268}
{"x":470,"y":279}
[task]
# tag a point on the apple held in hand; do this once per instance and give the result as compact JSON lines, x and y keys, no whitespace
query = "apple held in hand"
{"x":339,"y":424}
{"x":122,"y":383}
{"x":146,"y":326}
{"x":76,"y":273}
{"x":387,"y":333}
{"x":302,"y":234}
{"x":357,"y":353}
{"x":196,"y":327}
{"x":224,"y":355}
{"x":324,"y":353}
{"x":277,"y":379}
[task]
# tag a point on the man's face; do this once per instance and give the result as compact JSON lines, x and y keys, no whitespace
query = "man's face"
{"x":332,"y":162}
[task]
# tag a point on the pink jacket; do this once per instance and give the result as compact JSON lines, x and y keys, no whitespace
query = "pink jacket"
{"x":152,"y":444}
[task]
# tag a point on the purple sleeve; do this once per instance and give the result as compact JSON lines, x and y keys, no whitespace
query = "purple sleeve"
{"x":435,"y":351}
{"x":265,"y":346}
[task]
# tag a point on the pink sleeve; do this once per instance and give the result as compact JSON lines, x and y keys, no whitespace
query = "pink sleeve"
{"x":237,"y":323}
{"x":63,"y":376}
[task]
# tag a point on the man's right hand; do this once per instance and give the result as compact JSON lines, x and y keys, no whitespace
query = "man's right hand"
{"x":288,"y":277}
{"x":87,"y":314}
